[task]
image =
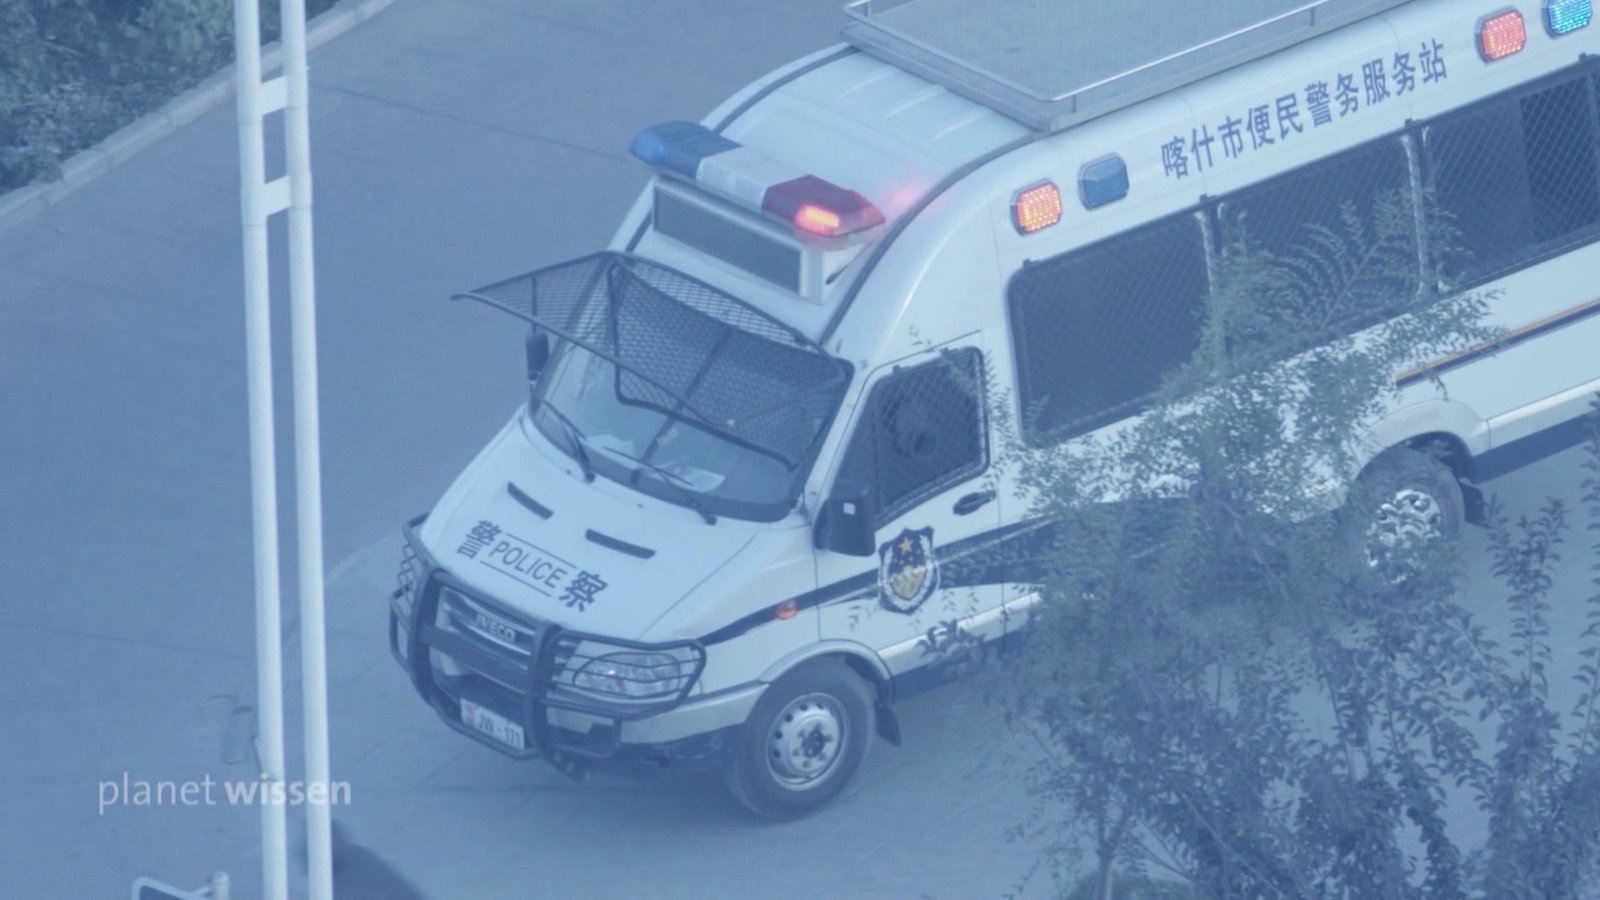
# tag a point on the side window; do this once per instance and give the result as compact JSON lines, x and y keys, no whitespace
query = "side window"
{"x":1306,"y":214}
{"x":922,"y":431}
{"x":1518,"y":176}
{"x":1095,"y":330}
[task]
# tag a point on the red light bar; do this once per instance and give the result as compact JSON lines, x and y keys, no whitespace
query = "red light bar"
{"x":817,"y":220}
{"x":820,"y":208}
{"x":1501,"y":35}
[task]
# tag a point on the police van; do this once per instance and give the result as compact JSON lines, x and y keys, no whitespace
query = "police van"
{"x":751,"y":500}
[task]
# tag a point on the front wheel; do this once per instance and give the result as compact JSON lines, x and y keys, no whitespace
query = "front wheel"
{"x":804,"y":740}
{"x":1406,"y":501}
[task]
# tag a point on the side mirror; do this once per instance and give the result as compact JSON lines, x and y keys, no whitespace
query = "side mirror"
{"x":538,"y":350}
{"x":844,"y":524}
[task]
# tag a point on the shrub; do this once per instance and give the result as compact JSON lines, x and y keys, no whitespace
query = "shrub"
{"x":74,"y":71}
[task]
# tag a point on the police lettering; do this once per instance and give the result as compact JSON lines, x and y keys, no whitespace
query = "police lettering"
{"x":535,"y":567}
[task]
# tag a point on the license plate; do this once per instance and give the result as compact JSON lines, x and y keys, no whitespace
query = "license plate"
{"x":493,"y":724}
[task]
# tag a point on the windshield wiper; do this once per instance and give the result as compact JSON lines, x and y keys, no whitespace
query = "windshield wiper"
{"x":691,"y":497}
{"x":575,"y":438}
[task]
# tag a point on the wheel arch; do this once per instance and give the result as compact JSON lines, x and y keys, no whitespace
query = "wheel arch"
{"x":861,"y":660}
{"x":858,"y":657}
{"x":1449,"y":423}
{"x":1449,"y":448}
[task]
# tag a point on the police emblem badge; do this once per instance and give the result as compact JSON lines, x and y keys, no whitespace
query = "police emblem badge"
{"x":908,"y":572}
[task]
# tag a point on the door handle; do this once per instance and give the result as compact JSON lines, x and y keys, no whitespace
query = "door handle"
{"x":971,"y":502}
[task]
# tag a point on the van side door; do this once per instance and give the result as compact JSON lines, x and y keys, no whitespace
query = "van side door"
{"x":928,"y":600}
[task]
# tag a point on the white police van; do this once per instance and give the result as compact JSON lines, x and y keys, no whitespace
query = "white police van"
{"x":750,"y":502}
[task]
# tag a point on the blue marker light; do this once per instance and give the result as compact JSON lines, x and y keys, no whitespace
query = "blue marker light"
{"x":679,"y":146}
{"x":1566,"y":16}
{"x":1103,"y":181}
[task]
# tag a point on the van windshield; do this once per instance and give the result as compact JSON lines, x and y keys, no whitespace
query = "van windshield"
{"x":668,"y":385}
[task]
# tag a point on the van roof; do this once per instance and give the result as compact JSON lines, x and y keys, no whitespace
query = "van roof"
{"x":873,"y":127}
{"x":1051,"y":65}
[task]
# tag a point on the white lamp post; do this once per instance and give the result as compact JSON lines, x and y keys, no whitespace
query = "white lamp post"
{"x":260,"y":199}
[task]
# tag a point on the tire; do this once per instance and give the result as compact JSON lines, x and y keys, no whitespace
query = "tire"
{"x":1405,"y":500}
{"x":804,"y":741}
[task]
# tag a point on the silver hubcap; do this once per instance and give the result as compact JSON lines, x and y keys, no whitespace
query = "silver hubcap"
{"x":1407,"y":520}
{"x":807,"y":741}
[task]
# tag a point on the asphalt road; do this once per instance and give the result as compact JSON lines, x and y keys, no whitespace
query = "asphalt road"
{"x":454,"y":144}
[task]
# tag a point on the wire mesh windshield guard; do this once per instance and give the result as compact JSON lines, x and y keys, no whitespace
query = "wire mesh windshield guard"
{"x":684,"y":348}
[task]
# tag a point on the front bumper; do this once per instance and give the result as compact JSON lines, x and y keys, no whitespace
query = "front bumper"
{"x":459,"y":645}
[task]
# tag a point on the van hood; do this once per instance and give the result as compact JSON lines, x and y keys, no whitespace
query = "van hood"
{"x":523,"y":528}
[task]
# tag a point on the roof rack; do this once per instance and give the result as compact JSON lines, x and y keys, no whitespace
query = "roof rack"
{"x":1051,"y":64}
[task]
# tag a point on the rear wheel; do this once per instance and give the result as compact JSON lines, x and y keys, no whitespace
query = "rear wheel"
{"x":804,"y":740}
{"x":1407,"y":500}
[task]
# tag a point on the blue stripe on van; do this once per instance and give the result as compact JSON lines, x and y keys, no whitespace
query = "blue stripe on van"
{"x":977,"y":560}
{"x":1525,"y":451}
{"x":1017,"y":552}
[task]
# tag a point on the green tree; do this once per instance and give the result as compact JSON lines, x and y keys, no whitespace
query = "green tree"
{"x":1263,"y":699}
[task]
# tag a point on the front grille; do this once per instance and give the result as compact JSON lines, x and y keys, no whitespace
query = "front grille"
{"x":485,"y":692}
{"x":478,"y":650}
{"x":493,"y":647}
{"x":476,"y":619}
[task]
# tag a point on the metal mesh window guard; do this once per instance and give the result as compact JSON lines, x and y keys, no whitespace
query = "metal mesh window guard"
{"x":1518,"y":175}
{"x":686,"y":349}
{"x":1512,"y":179}
{"x":1097,"y":329}
{"x":1344,"y":230}
{"x":923,"y":430}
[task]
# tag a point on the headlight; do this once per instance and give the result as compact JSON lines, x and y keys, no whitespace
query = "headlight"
{"x":631,"y":676}
{"x":637,"y":676}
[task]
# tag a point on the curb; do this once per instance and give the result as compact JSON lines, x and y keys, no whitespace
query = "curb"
{"x":130,"y":140}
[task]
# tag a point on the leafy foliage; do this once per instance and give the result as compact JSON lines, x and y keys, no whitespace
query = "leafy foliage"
{"x":1232,"y":695}
{"x":74,"y":71}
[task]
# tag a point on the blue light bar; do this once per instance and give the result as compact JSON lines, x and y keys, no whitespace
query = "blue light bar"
{"x":1566,"y":16}
{"x":679,"y":146}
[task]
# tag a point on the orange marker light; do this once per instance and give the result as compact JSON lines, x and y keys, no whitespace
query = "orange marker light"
{"x":1501,"y":35}
{"x":786,"y":610}
{"x":1036,"y":207}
